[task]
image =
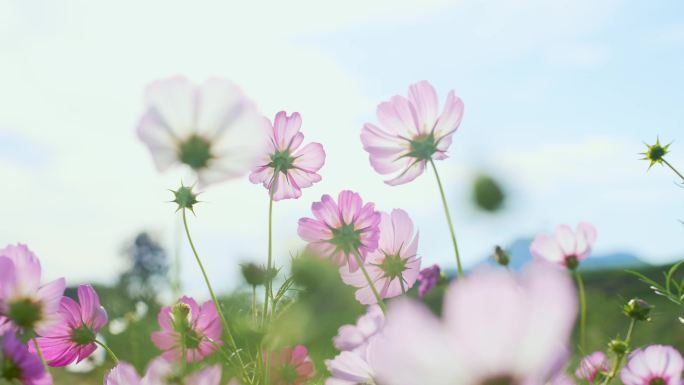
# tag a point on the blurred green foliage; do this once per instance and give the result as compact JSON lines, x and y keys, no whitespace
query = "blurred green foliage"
{"x":488,"y":195}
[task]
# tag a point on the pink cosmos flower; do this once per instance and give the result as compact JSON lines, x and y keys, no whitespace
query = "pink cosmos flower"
{"x":592,"y":366}
{"x":297,"y":167}
{"x":73,"y":339}
{"x":566,"y":247}
{"x":161,"y":372}
{"x":291,"y":366}
{"x":212,"y":128}
{"x":198,"y":328}
{"x":411,"y":133}
{"x":562,"y":379}
{"x":393,"y":266}
{"x":497,"y":327}
{"x":350,"y":368}
{"x":356,"y":337}
{"x":19,"y":365}
{"x":653,"y":365}
{"x":27,"y":304}
{"x":428,"y":277}
{"x":341,"y":229}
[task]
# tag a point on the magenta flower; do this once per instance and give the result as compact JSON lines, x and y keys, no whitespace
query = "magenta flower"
{"x":213,"y":128}
{"x":357,"y":337}
{"x":592,"y":367}
{"x":162,"y":372}
{"x":291,"y":366}
{"x":28,"y":305}
{"x":341,"y":229}
{"x":496,"y":327}
{"x":393,"y":266}
{"x":653,"y":365}
{"x":412,"y":132}
{"x":19,"y":365}
{"x":428,"y":277}
{"x":296,"y":167}
{"x":566,"y":247}
{"x":186,"y":324}
{"x":73,"y":339}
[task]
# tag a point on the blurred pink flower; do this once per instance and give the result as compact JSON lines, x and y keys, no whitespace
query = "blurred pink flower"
{"x":162,"y":372}
{"x":297,"y":167}
{"x":591,"y":367}
{"x":653,"y":365}
{"x":412,"y":132}
{"x":291,"y":366}
{"x":393,"y":266}
{"x":496,"y":326}
{"x":350,"y":368}
{"x":19,"y":365}
{"x":28,"y":305}
{"x":213,"y":128}
{"x":198,"y":328}
{"x":356,"y":337}
{"x":341,"y":229}
{"x":562,"y":379}
{"x":73,"y":339}
{"x":566,"y":247}
{"x":428,"y":278}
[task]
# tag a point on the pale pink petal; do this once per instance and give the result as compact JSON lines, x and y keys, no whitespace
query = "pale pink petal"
{"x":397,"y":116}
{"x":312,"y":230}
{"x":27,"y":269}
{"x":409,"y":174}
{"x":285,"y":128}
{"x":449,"y":120}
{"x":545,"y":248}
{"x":304,"y":179}
{"x":122,"y":374}
{"x":164,"y":340}
{"x":565,"y":238}
{"x":211,"y":375}
{"x":586,"y":237}
{"x":310,"y":157}
{"x":327,"y":211}
{"x":350,"y":204}
{"x":90,"y":303}
{"x":157,"y":372}
{"x":424,"y":99}
{"x":159,"y":138}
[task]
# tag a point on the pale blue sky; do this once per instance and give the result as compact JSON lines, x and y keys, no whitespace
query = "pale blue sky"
{"x":559,"y":97}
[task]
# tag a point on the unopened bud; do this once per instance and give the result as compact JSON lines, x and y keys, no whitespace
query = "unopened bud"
{"x":185,"y":198}
{"x":655,"y":153}
{"x":638,"y":309}
{"x":254,"y":274}
{"x":618,"y":347}
{"x":501,"y":257}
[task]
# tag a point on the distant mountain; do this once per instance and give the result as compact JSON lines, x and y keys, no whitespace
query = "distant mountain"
{"x":519,"y":252}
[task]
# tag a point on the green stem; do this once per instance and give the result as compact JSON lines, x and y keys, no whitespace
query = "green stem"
{"x":109,"y":351}
{"x":620,"y":357}
{"x":359,"y":262}
{"x":267,"y":286}
{"x":448,"y":217}
{"x":254,"y":306}
{"x":211,"y":290}
{"x":401,"y":282}
{"x":40,"y":354}
{"x":583,"y":309}
{"x":673,"y":169}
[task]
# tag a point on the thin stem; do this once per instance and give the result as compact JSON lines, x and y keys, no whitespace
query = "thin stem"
{"x":254,"y":306}
{"x":40,"y":354}
{"x":448,"y":217}
{"x":583,"y":309}
{"x":267,"y":286}
{"x":109,"y":351}
{"x":211,"y":290}
{"x":359,"y":262}
{"x":401,"y":282}
{"x":673,"y":169}
{"x":620,"y":357}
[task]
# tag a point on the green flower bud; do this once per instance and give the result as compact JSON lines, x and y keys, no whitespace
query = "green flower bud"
{"x":618,"y":347}
{"x":254,"y":274}
{"x":501,"y":256}
{"x":185,"y":198}
{"x":637,"y":309}
{"x":655,"y":153}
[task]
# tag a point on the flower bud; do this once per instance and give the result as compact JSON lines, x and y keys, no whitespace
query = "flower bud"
{"x":637,"y":309}
{"x":655,"y":153}
{"x":618,"y":347}
{"x":501,"y":257}
{"x":254,"y":274}
{"x":185,"y":198}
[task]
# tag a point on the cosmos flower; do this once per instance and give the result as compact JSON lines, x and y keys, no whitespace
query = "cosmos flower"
{"x":73,"y":339}
{"x":19,"y":365}
{"x":592,"y":366}
{"x":190,"y":326}
{"x":653,"y":365}
{"x":428,"y":278}
{"x":356,"y":337}
{"x":411,"y":133}
{"x":497,"y":327}
{"x":350,"y":368}
{"x":566,"y":247}
{"x":28,"y":305}
{"x":162,"y":372}
{"x":341,"y":229}
{"x":393,"y":266}
{"x":291,"y":366}
{"x":212,"y":128}
{"x":296,"y":167}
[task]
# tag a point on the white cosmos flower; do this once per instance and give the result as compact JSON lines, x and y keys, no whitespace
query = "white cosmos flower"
{"x":212,"y":128}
